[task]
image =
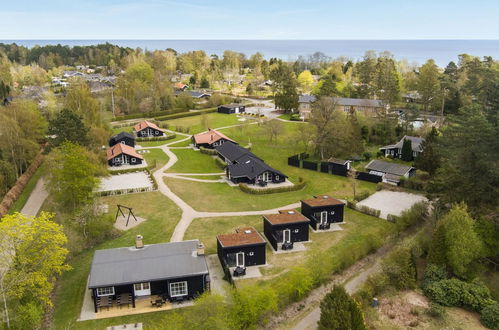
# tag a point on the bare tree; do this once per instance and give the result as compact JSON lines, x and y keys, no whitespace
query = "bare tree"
{"x":322,"y":115}
{"x":352,"y":177}
{"x":273,"y":128}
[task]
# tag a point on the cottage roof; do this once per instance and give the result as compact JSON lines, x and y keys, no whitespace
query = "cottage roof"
{"x":120,"y":136}
{"x":338,"y":161}
{"x":250,"y":167}
{"x":242,"y":236}
{"x":416,"y":143}
{"x":194,"y":94}
{"x":210,"y":137}
{"x":179,"y":85}
{"x":233,"y":151}
{"x":305,"y":98}
{"x":121,"y":148}
{"x":322,"y":200}
{"x":144,"y":124}
{"x":386,"y":167}
{"x":286,"y":216}
{"x":152,"y":262}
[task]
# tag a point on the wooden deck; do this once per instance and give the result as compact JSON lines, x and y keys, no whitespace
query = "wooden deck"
{"x":142,"y":305}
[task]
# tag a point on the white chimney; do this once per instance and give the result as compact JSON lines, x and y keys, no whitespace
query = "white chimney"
{"x":139,"y":244}
{"x":200,"y":249}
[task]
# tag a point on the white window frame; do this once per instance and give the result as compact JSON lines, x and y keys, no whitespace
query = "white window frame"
{"x":237,"y":259}
{"x":323,"y":217}
{"x":175,"y":286}
{"x":277,"y":177}
{"x":288,"y":231}
{"x":108,"y":291}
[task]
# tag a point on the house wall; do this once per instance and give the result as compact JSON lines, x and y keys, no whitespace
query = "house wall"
{"x":228,"y":110}
{"x":299,"y":232}
{"x":149,"y":132}
{"x":335,"y":213}
{"x":254,"y":254}
{"x":116,"y":161}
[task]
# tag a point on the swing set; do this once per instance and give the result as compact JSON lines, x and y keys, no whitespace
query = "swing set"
{"x":130,"y":213}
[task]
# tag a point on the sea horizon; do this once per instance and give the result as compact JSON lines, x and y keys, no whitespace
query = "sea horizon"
{"x":413,"y":50}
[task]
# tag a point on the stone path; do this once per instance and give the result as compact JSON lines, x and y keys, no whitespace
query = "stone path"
{"x":36,"y":199}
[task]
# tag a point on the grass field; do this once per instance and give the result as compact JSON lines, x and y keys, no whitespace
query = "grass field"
{"x":157,"y":155}
{"x":214,"y":120}
{"x":162,"y":215}
{"x":190,"y":161}
{"x":160,"y":143}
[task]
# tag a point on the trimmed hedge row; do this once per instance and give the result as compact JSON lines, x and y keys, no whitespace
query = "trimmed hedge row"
{"x":186,"y":114}
{"x":151,"y":114}
{"x":131,"y":170}
{"x":247,"y":189}
{"x":156,"y":138}
{"x":207,"y":151}
{"x":220,"y":163}
{"x":363,"y":209}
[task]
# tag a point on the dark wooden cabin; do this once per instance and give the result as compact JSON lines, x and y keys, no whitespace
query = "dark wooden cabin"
{"x":175,"y":271}
{"x":123,"y":137}
{"x":147,"y":129}
{"x":246,"y":247}
{"x":323,"y":211}
{"x":285,"y":228}
{"x":231,"y":108}
{"x":121,"y":154}
{"x":210,"y":139}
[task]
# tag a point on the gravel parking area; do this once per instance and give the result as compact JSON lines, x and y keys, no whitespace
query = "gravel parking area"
{"x":135,"y":180}
{"x":391,"y":202}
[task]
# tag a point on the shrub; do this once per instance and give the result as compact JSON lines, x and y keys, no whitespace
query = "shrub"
{"x":207,"y":151}
{"x":362,"y":195}
{"x":433,"y":273}
{"x":157,"y":138}
{"x":400,"y":269}
{"x":454,"y":292}
{"x":369,"y":211}
{"x":295,"y":117}
{"x":351,"y":204}
{"x":185,"y":114}
{"x":298,"y":186}
{"x":436,"y":310}
{"x":340,"y":311}
{"x":367,"y":155}
{"x":146,"y":114}
{"x":220,"y":163}
{"x":490,"y":316}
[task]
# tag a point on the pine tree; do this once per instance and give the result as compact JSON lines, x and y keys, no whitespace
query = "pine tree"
{"x":339,"y":311}
{"x":407,"y":150}
{"x":428,"y":160}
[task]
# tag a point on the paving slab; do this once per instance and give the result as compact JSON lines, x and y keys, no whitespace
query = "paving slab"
{"x":135,"y":180}
{"x":391,"y":202}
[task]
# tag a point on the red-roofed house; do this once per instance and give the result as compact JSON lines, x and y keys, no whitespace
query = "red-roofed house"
{"x":210,"y":139}
{"x":147,"y":129}
{"x":121,"y":154}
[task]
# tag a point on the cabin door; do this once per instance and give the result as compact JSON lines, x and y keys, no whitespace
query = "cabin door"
{"x":142,"y":289}
{"x":267,"y":176}
{"x":286,"y":236}
{"x":240,"y":259}
{"x":323,"y":217}
{"x":237,"y":110}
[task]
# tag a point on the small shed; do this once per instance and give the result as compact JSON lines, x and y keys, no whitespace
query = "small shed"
{"x":122,"y":137}
{"x":285,"y":228}
{"x":322,"y":211}
{"x":231,"y":108}
{"x":245,"y":247}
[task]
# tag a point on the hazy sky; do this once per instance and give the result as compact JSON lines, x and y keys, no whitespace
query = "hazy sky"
{"x":250,"y":19}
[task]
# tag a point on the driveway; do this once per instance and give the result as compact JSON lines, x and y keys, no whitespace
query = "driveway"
{"x":263,"y":107}
{"x":391,"y":202}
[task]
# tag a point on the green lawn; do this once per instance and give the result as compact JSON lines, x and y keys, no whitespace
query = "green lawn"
{"x":190,"y":161}
{"x":116,"y":130}
{"x":160,"y":143}
{"x":185,"y":143}
{"x":157,"y":155}
{"x":28,"y":189}
{"x":204,"y":177}
{"x":215,"y":120}
{"x":162,"y":215}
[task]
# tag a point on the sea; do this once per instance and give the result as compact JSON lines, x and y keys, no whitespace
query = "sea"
{"x":414,"y":51}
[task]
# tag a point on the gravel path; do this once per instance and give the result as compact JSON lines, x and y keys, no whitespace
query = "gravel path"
{"x":36,"y":199}
{"x":391,"y":202}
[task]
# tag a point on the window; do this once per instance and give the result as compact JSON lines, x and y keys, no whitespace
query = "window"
{"x":133,"y":159}
{"x":251,"y":254}
{"x":141,"y":286}
{"x":107,"y":291}
{"x":178,"y":289}
{"x":277,"y":177}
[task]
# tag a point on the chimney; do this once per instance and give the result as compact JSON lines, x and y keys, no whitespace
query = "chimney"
{"x":139,"y":244}
{"x":200,"y":249}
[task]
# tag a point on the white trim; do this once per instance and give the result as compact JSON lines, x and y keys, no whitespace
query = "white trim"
{"x":323,"y":217}
{"x":237,"y":259}
{"x":179,"y":285}
{"x":288,"y":231}
{"x":143,"y":290}
{"x":108,"y":293}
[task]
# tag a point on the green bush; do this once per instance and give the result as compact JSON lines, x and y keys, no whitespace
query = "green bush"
{"x":351,"y":204}
{"x":207,"y":151}
{"x":367,"y":210}
{"x":436,"y":310}
{"x":454,"y":292}
{"x":433,"y":273}
{"x":362,"y":195}
{"x":247,"y":189}
{"x":28,"y":316}
{"x":295,"y":117}
{"x":157,"y":138}
{"x":400,"y":269}
{"x":490,"y":316}
{"x":146,"y":114}
{"x":220,"y":163}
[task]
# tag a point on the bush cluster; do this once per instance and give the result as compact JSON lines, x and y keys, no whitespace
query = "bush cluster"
{"x":207,"y":151}
{"x":490,"y":316}
{"x":247,"y":189}
{"x":185,"y":114}
{"x":220,"y":163}
{"x":362,"y":195}
{"x":157,"y":138}
{"x":147,"y":114}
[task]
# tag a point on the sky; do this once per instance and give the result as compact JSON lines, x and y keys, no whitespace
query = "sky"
{"x":253,"y":19}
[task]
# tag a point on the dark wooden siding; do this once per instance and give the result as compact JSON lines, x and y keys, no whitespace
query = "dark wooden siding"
{"x":299,"y":232}
{"x":227,"y":254}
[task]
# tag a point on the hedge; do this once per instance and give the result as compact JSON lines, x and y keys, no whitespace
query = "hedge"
{"x":136,"y":190}
{"x":131,"y":170}
{"x":247,"y":189}
{"x":186,"y":114}
{"x":207,"y":151}
{"x":363,"y":209}
{"x":148,"y":114}
{"x":220,"y":163}
{"x":156,"y":138}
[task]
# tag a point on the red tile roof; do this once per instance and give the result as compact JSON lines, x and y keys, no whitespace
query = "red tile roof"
{"x":286,"y":216}
{"x":210,"y":137}
{"x":144,"y":124}
{"x":121,"y":148}
{"x":243,"y":236}
{"x":322,"y":200}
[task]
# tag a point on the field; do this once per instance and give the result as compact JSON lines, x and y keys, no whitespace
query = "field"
{"x":156,"y":155}
{"x":162,"y":215}
{"x":190,"y":161}
{"x":213,"y":120}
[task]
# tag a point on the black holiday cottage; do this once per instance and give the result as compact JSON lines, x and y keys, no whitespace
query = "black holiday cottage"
{"x":124,"y":138}
{"x":285,"y":228}
{"x":147,"y":129}
{"x":322,"y":211}
{"x":244,"y":248}
{"x":121,"y":154}
{"x":231,"y":108}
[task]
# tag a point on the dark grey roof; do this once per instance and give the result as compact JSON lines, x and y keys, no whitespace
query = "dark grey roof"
{"x":386,"y":167}
{"x":193,"y":94}
{"x":345,"y":101}
{"x":233,"y":152}
{"x":338,"y":161}
{"x":152,"y":262}
{"x":250,"y":168}
{"x":415,"y":143}
{"x":122,"y":135}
